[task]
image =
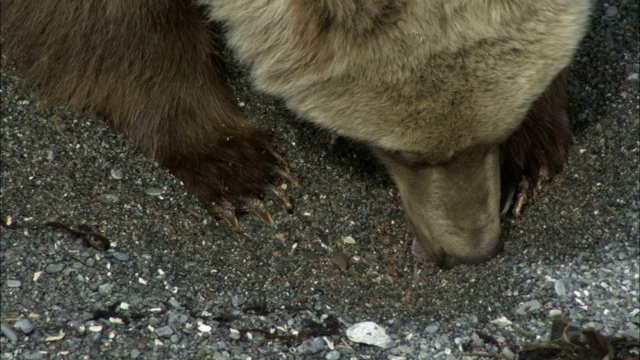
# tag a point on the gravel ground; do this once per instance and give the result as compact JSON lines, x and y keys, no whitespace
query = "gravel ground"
{"x":176,"y":284}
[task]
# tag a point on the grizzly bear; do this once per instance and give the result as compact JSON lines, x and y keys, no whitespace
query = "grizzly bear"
{"x":460,"y":99}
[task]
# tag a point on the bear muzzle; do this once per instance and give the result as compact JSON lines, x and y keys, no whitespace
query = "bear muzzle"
{"x":453,"y":207}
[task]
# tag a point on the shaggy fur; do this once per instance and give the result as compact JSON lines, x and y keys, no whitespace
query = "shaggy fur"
{"x":431,"y":77}
{"x":432,"y":86}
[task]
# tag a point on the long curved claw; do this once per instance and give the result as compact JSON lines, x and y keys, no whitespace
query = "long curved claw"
{"x":283,"y":169}
{"x":508,"y":202}
{"x":518,"y":205}
{"x":280,"y":197}
{"x":281,"y":161}
{"x":228,"y":214}
{"x":259,"y":209}
{"x":528,"y":190}
{"x":284,"y":174}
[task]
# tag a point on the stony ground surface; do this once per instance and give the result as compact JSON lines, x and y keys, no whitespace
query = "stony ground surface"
{"x":178,"y":285}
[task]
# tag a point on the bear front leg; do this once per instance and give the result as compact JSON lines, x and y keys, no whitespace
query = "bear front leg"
{"x":152,"y":69}
{"x":537,"y":151}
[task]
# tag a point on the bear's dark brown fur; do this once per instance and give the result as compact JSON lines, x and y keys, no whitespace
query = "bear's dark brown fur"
{"x":153,"y":70}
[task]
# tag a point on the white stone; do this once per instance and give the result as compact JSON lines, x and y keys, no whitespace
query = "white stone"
{"x":95,"y":328}
{"x":502,"y":321}
{"x":349,"y":240}
{"x":370,"y":333}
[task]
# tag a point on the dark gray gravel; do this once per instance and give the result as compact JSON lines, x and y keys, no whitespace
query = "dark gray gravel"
{"x":176,"y":284}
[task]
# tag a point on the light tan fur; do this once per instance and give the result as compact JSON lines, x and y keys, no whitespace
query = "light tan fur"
{"x":421,"y":76}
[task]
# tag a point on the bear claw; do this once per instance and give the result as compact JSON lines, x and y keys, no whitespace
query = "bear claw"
{"x":280,"y":197}
{"x":228,"y":213}
{"x":285,"y":174}
{"x":259,"y":209}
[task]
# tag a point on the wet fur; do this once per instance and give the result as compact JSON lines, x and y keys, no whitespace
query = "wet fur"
{"x":432,"y":86}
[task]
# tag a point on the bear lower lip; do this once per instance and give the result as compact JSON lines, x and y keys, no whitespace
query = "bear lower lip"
{"x":417,"y":250}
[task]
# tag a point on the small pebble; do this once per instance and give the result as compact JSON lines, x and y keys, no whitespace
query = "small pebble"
{"x":13,"y":283}
{"x":560,"y":288}
{"x":34,"y":355}
{"x":311,"y":346}
{"x":555,"y":312}
{"x":611,"y":12}
{"x":234,"y":334}
{"x":528,"y":306}
{"x":24,"y":325}
{"x":349,"y":240}
{"x":501,"y":321}
{"x":176,"y":320}
{"x":165,"y":331}
{"x":9,"y":333}
{"x":105,"y":289}
{"x":111,"y":198}
{"x":332,"y":355}
{"x":116,"y":174}
{"x":405,"y":349}
{"x":238,"y":300}
{"x":340,"y":260}
{"x":53,"y":268}
{"x":175,"y":303}
{"x":121,"y":256}
{"x":135,"y":353}
{"x":153,"y":191}
{"x":431,"y":329}
{"x":508,"y":353}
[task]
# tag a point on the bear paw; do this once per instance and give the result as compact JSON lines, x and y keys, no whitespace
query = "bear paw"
{"x":235,"y":176}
